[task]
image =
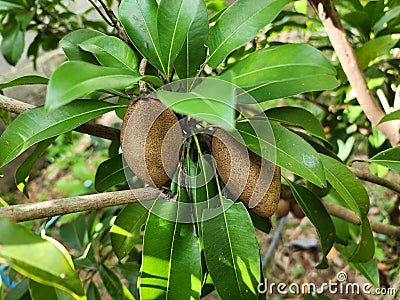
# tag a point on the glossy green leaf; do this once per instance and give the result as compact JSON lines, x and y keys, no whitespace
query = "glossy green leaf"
{"x":110,"y":173}
{"x":389,"y":158}
{"x":47,"y":263}
{"x":283,"y":71}
{"x":23,"y":171}
{"x":70,"y":44}
{"x":356,"y":197}
{"x":193,"y":52}
{"x":240,"y":23}
{"x":212,"y":101}
{"x":13,"y":43}
{"x":40,"y":291}
{"x":139,"y":19}
{"x":76,"y":78}
{"x":292,"y":152}
{"x":382,"y":23}
{"x":9,"y":5}
{"x":126,"y":231}
{"x":347,"y":185}
{"x":374,"y":48}
{"x":171,"y":263}
{"x":392,"y":116}
{"x":231,"y":251}
{"x":111,"y":51}
{"x":92,"y":293}
{"x":74,"y":233}
{"x":319,"y":217}
{"x":23,"y":80}
{"x":115,"y":288}
{"x":20,"y":291}
{"x":174,"y":18}
{"x":36,"y":125}
{"x":297,"y":116}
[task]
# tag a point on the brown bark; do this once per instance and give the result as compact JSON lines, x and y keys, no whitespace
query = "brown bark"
{"x":330,"y":18}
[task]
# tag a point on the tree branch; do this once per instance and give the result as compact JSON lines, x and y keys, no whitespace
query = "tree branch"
{"x":18,"y":107}
{"x":348,"y":215}
{"x":50,"y":208}
{"x":376,"y":179}
{"x":331,"y":20}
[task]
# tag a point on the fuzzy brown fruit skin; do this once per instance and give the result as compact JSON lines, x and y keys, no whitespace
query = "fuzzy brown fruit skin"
{"x":283,"y":208}
{"x":240,"y":171}
{"x":150,"y":140}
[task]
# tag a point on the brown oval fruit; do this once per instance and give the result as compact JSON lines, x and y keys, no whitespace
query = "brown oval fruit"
{"x":297,"y":212}
{"x":283,"y":208}
{"x":240,"y":170}
{"x":150,"y":139}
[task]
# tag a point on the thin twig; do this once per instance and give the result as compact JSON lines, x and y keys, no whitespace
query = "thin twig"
{"x":376,"y":179}
{"x":18,"y":107}
{"x":102,"y":15}
{"x":274,"y":242}
{"x":330,"y":18}
{"x":349,"y":216}
{"x":142,"y":71}
{"x":50,"y":208}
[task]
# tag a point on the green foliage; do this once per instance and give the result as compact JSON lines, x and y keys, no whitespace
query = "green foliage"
{"x":231,"y":54}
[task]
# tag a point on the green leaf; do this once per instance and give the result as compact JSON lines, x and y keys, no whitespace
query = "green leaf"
{"x":212,"y":101}
{"x":126,"y":231}
{"x":20,"y":291}
{"x":76,"y":78}
{"x":74,"y":233}
{"x":116,"y":289}
{"x":389,"y":158}
{"x":174,"y":18}
{"x":110,"y":173}
{"x":23,"y":80}
{"x":47,"y":263}
{"x":297,"y":116}
{"x":374,"y":48}
{"x":70,"y":44}
{"x":111,"y":51}
{"x":193,"y":52}
{"x":292,"y":152}
{"x":36,"y":125}
{"x":239,"y":24}
{"x":231,"y":251}
{"x":382,"y":23}
{"x":139,"y":19}
{"x":171,"y":263}
{"x":11,"y":4}
{"x":92,"y":293}
{"x":13,"y":43}
{"x":356,"y":197}
{"x":40,"y":291}
{"x":347,"y":185}
{"x":283,"y":71}
{"x":5,"y":117}
{"x":392,"y":116}
{"x":368,"y":269}
{"x":23,"y":171}
{"x":319,"y":217}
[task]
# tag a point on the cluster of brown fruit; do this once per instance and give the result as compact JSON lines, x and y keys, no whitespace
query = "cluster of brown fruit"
{"x":284,"y":206}
{"x":151,"y":139}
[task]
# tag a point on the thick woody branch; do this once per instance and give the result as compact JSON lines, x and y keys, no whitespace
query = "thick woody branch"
{"x":18,"y":107}
{"x":331,"y":20}
{"x":50,"y":208}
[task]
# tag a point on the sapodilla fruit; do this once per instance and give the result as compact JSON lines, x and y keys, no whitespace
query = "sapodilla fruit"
{"x":283,"y":208}
{"x":150,"y":139}
{"x":240,"y":170}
